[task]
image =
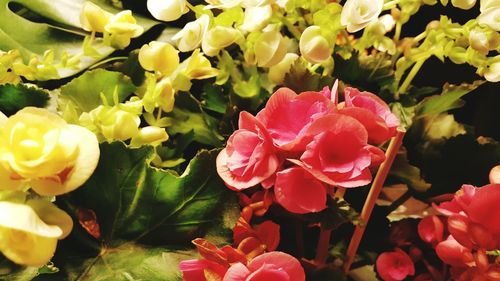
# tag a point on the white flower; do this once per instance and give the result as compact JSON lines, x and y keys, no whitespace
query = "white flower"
{"x":277,"y":72}
{"x":463,"y":4}
{"x":256,"y":18}
{"x":189,"y":38}
{"x":30,"y":231}
{"x":492,"y":74}
{"x":167,"y":10}
{"x":314,"y":47}
{"x":357,"y":14}
{"x":222,"y":4}
{"x":490,"y":14}
{"x":256,"y":3}
{"x":218,"y":38}
{"x":484,"y":40}
{"x":270,"y":48}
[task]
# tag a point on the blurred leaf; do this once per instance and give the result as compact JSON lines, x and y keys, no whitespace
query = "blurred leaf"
{"x":405,"y":114}
{"x":132,"y":68}
{"x":338,"y":212}
{"x":214,"y":99}
{"x":188,"y":116}
{"x":135,"y":201}
{"x":15,"y":97}
{"x":85,"y":91}
{"x":447,"y":100}
{"x":407,"y":173}
{"x":300,"y":79}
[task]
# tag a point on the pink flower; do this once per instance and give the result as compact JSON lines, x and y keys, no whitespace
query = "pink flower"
{"x":197,"y":270}
{"x":339,"y":154}
{"x":394,"y":266}
{"x":299,"y":192}
{"x":268,"y":233}
{"x":372,"y":112}
{"x":276,"y":266}
{"x":453,"y":253}
{"x":249,"y":157}
{"x":288,"y":115}
{"x":430,"y":229}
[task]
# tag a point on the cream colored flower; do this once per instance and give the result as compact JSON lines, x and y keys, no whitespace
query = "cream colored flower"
{"x":124,"y":24}
{"x":93,"y":18}
{"x":357,"y":14}
{"x":159,"y":56}
{"x":492,"y":74}
{"x":150,"y":135}
{"x":277,"y":72}
{"x":199,"y":67}
{"x":270,"y":48}
{"x":39,"y":147}
{"x":222,"y":4}
{"x":490,"y":14}
{"x":115,"y":123}
{"x":219,"y":38}
{"x":189,"y":38}
{"x":484,"y":39}
{"x":256,"y":18}
{"x":314,"y":47}
{"x":29,"y":232}
{"x":463,"y":4}
{"x":167,"y":10}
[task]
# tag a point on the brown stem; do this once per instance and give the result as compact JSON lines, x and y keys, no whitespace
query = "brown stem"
{"x":375,"y":189}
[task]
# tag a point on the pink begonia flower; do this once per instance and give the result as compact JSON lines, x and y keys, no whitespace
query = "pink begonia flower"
{"x":372,"y":112}
{"x":249,"y":156}
{"x":276,"y":266}
{"x":453,"y":253}
{"x":268,"y":233}
{"x":394,"y":266}
{"x":288,"y":115}
{"x":339,"y":154}
{"x":431,"y":229}
{"x":197,"y":270}
{"x":299,"y":192}
{"x":473,"y":216}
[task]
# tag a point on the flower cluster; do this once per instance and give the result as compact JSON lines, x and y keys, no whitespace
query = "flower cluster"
{"x":303,"y":143}
{"x":39,"y":150}
{"x":472,"y":229}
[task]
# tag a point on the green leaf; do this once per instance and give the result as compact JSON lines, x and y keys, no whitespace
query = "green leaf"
{"x":301,"y":79}
{"x":85,"y":91}
{"x":34,"y":38}
{"x":15,"y":97}
{"x":449,"y":99}
{"x":134,"y":201}
{"x":407,"y":173}
{"x":214,"y":99}
{"x":188,"y":116}
{"x":133,"y":69}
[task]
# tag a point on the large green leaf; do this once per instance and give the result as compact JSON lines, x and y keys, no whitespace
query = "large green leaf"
{"x":448,"y":100}
{"x":134,"y":201}
{"x":16,"y":97}
{"x":34,"y":38}
{"x":86,"y":90}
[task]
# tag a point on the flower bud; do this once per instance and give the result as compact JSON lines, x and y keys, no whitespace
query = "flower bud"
{"x":167,"y":10}
{"x":494,"y":175}
{"x":256,"y":18}
{"x":313,"y":45}
{"x":492,"y":74}
{"x":277,"y":72}
{"x":463,"y":4}
{"x":150,"y":135}
{"x":124,"y":24}
{"x":357,"y":14}
{"x":93,"y":18}
{"x":270,"y":48}
{"x":165,"y":95}
{"x":159,"y":56}
{"x":115,"y":123}
{"x":219,"y":38}
{"x":189,"y":38}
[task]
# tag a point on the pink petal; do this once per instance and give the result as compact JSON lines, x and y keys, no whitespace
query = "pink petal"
{"x":396,"y":265}
{"x":269,"y":233}
{"x":430,"y":229}
{"x":453,"y":253}
{"x":268,"y":272}
{"x":237,"y":272}
{"x":280,"y":261}
{"x":485,"y":208}
{"x":194,"y":270}
{"x":299,"y":192}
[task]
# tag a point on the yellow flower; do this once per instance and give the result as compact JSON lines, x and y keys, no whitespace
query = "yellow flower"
{"x":169,"y":10}
{"x":199,"y":67}
{"x":113,"y":123}
{"x":150,"y":135}
{"x":93,"y":18}
{"x":29,"y":232}
{"x":159,"y":56}
{"x":270,"y":48}
{"x":39,"y":147}
{"x":189,"y":38}
{"x":219,"y":38}
{"x":314,"y":47}
{"x":122,"y":27}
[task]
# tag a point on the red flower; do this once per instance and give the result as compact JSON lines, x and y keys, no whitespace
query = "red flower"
{"x":287,"y":116}
{"x":372,"y":112}
{"x":430,"y":229}
{"x":453,"y":253}
{"x":275,"y":266}
{"x":199,"y":270}
{"x":249,"y":157}
{"x":299,"y":192}
{"x":394,"y":266}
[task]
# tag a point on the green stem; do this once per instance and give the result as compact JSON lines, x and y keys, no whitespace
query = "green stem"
{"x":420,"y":37}
{"x":292,"y":28}
{"x":391,"y":4}
{"x":397,"y":32}
{"x":106,"y":61}
{"x":406,"y":83}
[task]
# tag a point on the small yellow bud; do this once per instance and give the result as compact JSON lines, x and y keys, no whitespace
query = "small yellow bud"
{"x":93,"y":18}
{"x":124,"y":24}
{"x":150,"y":135}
